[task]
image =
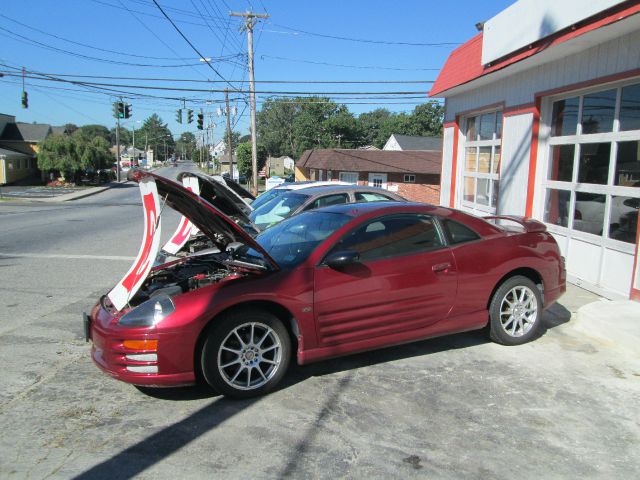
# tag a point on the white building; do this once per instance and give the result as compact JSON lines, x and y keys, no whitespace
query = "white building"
{"x":543,"y":119}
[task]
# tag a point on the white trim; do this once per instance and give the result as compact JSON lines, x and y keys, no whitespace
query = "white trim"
{"x":378,"y":176}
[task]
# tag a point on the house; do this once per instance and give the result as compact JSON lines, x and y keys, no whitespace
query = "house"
{"x":543,"y":120}
{"x":414,"y":175}
{"x":279,"y":166}
{"x":410,"y":142}
{"x":18,"y":148}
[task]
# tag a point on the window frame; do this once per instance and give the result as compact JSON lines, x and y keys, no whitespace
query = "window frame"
{"x":411,"y":178}
{"x":341,"y":176}
{"x":573,"y":187}
{"x":493,"y":177}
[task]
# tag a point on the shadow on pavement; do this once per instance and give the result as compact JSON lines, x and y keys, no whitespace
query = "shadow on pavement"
{"x":153,"y":449}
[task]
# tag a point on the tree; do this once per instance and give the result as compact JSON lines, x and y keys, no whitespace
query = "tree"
{"x":374,"y":127}
{"x":70,"y":154}
{"x":186,"y":145}
{"x":156,"y":134}
{"x":69,"y":128}
{"x":91,"y":131}
{"x":125,"y":137}
{"x":243,"y":154}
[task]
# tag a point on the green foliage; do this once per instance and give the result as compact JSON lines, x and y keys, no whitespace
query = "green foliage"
{"x":72,"y":153}
{"x":91,"y":131}
{"x":154,"y":134}
{"x":243,"y":155}
{"x":186,"y":145}
{"x":289,"y":126}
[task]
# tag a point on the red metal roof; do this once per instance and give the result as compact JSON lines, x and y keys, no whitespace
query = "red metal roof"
{"x":464,"y":64}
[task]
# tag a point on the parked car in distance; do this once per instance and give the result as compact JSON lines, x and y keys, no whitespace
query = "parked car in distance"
{"x":285,"y":187}
{"x":324,"y":283}
{"x":295,"y":201}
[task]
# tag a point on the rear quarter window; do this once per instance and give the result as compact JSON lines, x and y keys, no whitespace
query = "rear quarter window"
{"x":458,"y":233}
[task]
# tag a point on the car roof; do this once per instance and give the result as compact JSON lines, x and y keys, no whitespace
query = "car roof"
{"x":307,"y":184}
{"x":477,"y":224}
{"x":316,"y":190}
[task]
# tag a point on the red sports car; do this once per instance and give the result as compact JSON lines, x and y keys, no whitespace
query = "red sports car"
{"x":323,"y":283}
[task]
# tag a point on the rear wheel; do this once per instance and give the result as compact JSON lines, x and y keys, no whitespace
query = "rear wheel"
{"x":515,"y":311}
{"x":246,"y":354}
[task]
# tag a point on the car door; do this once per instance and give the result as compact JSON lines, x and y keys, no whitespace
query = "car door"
{"x":405,"y":279}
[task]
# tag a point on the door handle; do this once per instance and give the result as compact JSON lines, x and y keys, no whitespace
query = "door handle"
{"x":441,"y":267}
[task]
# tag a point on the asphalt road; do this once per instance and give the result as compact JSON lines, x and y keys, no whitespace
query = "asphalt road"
{"x":564,"y":406}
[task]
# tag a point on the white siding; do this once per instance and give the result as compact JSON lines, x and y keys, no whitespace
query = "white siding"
{"x":447,"y":163}
{"x":619,"y":55}
{"x":514,"y":164}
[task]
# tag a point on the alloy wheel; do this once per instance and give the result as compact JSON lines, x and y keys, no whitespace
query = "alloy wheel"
{"x":249,"y":356}
{"x":518,"y":311}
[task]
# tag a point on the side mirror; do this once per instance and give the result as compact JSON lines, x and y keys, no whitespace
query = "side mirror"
{"x":342,"y":258}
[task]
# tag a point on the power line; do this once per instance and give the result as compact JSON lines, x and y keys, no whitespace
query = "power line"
{"x":85,"y":45}
{"x":186,"y":80}
{"x":368,"y":67}
{"x":363,"y":40}
{"x":88,"y":57}
{"x":211,"y":90}
{"x":201,"y":56}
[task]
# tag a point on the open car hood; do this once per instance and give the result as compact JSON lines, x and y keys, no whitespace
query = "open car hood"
{"x":224,"y":194}
{"x":158,"y":192}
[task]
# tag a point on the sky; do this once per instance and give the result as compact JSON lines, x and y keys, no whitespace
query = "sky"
{"x":80,"y":43}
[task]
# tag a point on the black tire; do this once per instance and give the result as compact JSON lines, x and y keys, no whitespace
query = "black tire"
{"x":512,"y":321}
{"x":261,"y":365}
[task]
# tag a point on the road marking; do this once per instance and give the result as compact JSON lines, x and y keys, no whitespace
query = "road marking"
{"x":66,"y":257}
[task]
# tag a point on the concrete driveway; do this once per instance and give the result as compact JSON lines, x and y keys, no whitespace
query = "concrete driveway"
{"x":563,"y":406}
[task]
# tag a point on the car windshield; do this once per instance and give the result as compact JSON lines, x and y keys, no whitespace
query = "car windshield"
{"x":291,"y":242}
{"x":266,"y":196}
{"x":277,"y":209}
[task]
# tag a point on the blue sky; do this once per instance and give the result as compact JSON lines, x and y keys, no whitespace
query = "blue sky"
{"x":105,"y":38}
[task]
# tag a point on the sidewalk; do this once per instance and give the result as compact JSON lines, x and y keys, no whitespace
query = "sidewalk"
{"x":49,"y":195}
{"x":613,"y":323}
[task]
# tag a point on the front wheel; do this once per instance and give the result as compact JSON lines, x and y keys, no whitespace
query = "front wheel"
{"x":246,"y":354}
{"x":515,"y":312}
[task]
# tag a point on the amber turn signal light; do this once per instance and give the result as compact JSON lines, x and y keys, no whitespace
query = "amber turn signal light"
{"x":141,"y":344}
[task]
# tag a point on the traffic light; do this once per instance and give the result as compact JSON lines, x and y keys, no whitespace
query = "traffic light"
{"x":118,"y":110}
{"x":189,"y":116}
{"x":179,"y":115}
{"x":25,"y":100}
{"x":128,"y":110}
{"x":200,"y":121}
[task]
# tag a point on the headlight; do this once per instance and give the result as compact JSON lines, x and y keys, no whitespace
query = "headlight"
{"x":148,"y":313}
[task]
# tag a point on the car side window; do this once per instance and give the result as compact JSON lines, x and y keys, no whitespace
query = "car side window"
{"x":392,"y":235}
{"x":371,"y":197}
{"x":327,"y":200}
{"x":458,"y":233}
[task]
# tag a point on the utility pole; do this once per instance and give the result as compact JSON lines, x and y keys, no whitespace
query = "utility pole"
{"x":229,"y":136}
{"x":250,"y":21}
{"x":118,"y":146}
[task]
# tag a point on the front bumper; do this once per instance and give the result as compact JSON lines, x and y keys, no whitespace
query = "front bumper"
{"x":148,"y":363}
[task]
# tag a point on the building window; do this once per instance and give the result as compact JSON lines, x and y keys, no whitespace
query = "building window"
{"x":349,"y":177}
{"x":592,"y":183}
{"x":409,"y":178}
{"x":481,"y":167}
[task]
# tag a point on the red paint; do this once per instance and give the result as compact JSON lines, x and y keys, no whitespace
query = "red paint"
{"x":533,"y":158}
{"x":519,"y":110}
{"x":635,"y":293}
{"x":406,"y":303}
{"x":454,"y":163}
{"x":464,"y":64}
{"x":183,"y":232}
{"x":139,"y":270}
{"x":478,"y":110}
